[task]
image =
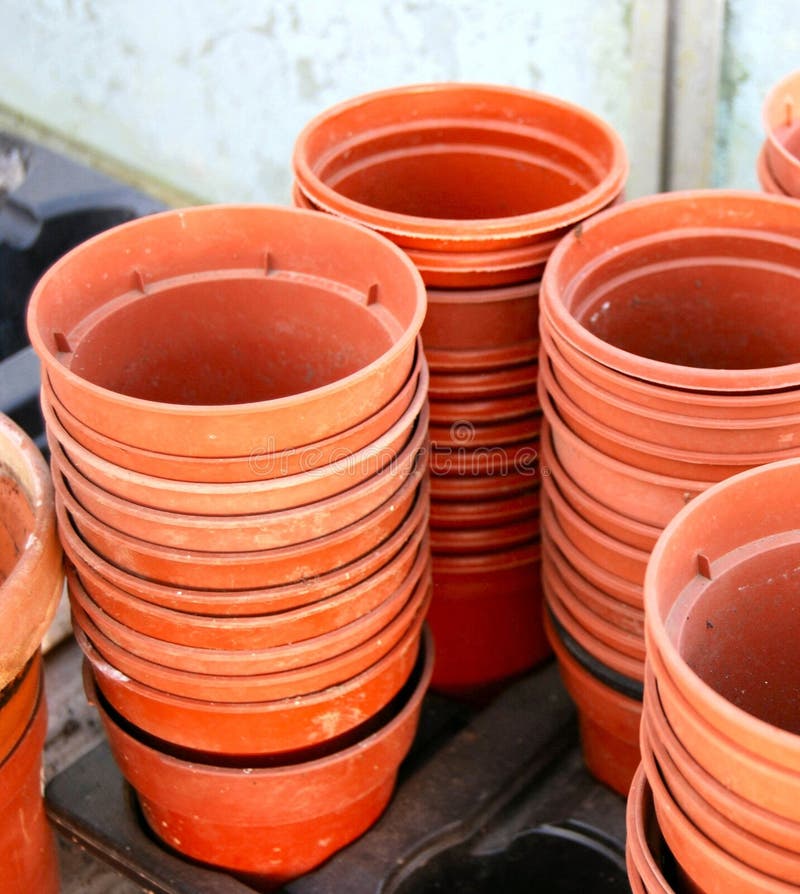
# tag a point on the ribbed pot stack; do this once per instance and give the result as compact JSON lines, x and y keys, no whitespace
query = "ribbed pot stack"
{"x":236,"y":405}
{"x":670,"y":361}
{"x":476,"y":183}
{"x":720,"y":775}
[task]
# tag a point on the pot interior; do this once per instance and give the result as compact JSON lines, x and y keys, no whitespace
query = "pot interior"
{"x":459,"y":173}
{"x":228,"y":341}
{"x":710,"y":313}
{"x":17,"y":521}
{"x":740,"y":635}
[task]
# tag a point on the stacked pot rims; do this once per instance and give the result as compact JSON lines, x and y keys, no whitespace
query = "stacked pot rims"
{"x":31,"y":584}
{"x":670,"y":361}
{"x":236,"y":405}
{"x":476,"y":183}
{"x":778,"y":164}
{"x":721,"y":728}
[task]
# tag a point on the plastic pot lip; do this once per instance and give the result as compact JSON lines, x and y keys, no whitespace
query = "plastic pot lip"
{"x":416,"y":381}
{"x":409,"y":418}
{"x":426,"y":642}
{"x":64,"y":472}
{"x":702,"y":846}
{"x":481,"y":563}
{"x":446,"y":360}
{"x":639,"y":806}
{"x":492,"y":295}
{"x":764,"y":173}
{"x":27,"y":751}
{"x":722,"y":208}
{"x":492,"y":232}
{"x":772,"y":739}
{"x":773,"y":114}
{"x":359,"y":235}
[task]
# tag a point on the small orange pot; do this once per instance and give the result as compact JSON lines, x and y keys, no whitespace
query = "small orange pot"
{"x":276,"y":822}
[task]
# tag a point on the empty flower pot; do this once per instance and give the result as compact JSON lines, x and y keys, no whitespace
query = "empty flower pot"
{"x":28,"y":856}
{"x":270,"y":822}
{"x":397,"y":160}
{"x":244,"y":729}
{"x":31,"y":577}
{"x":378,"y":570}
{"x":240,"y":498}
{"x":721,"y":323}
{"x":252,"y":569}
{"x":164,"y":346}
{"x":244,"y":533}
{"x":226,"y":687}
{"x":485,"y":617}
{"x":782,"y":147}
{"x":261,"y":463}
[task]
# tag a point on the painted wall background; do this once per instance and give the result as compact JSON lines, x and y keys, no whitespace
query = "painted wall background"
{"x":207,"y":96}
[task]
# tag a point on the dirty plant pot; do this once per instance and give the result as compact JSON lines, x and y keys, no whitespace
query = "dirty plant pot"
{"x":247,"y":570}
{"x":222,"y":533}
{"x":28,"y":856}
{"x":718,"y":558}
{"x":174,"y":292}
{"x":609,"y":721}
{"x":240,"y":498}
{"x":376,"y":570}
{"x":250,"y":815}
{"x":260,"y":463}
{"x":31,"y":577}
{"x":485,"y":617}
{"x":397,"y":160}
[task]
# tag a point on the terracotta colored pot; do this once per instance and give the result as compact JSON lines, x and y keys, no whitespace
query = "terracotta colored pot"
{"x":444,"y":361}
{"x":378,"y":570}
{"x":749,"y":338}
{"x":293,"y":724}
{"x":485,"y":472}
{"x":614,"y":611}
{"x":485,"y":617}
{"x":708,"y":866}
{"x":243,"y":498}
{"x":767,"y":826}
{"x":253,"y":820}
{"x":644,"y":496}
{"x":216,"y":660}
{"x":726,"y":441}
{"x":28,"y":856}
{"x":397,"y":160}
{"x":610,"y":644}
{"x":481,"y":319}
{"x":716,"y":586}
{"x":754,"y":852}
{"x":17,"y":703}
{"x":782,"y":147}
{"x":174,"y":382}
{"x":608,"y":720}
{"x":485,"y":513}
{"x":482,"y":412}
{"x":750,"y":775}
{"x":264,"y":630}
{"x":617,"y":557}
{"x":612,"y":584}
{"x":258,"y":465}
{"x":485,"y":384}
{"x":244,"y":533}
{"x":465,"y":433}
{"x":765,"y":177}
{"x":637,"y":534}
{"x":463,"y":541}
{"x":639,"y":846}
{"x":255,"y":687}
{"x":246,"y":570}
{"x":31,"y":577}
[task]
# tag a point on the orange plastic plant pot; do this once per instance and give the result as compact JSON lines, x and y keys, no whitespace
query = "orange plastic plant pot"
{"x":18,"y":700}
{"x":643,"y":839}
{"x":782,"y":146}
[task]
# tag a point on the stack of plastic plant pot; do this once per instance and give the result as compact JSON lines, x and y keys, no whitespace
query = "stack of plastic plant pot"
{"x":778,"y":163}
{"x":670,"y":361}
{"x":476,"y":183}
{"x":236,"y":404}
{"x":720,"y":777}
{"x":31,"y":584}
